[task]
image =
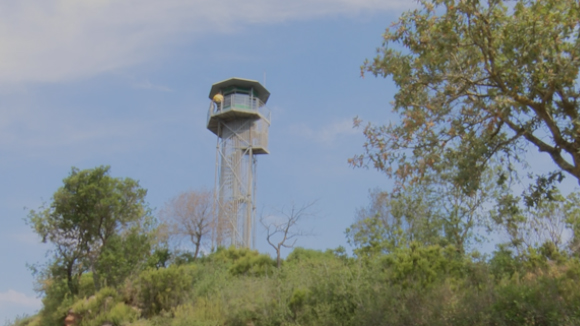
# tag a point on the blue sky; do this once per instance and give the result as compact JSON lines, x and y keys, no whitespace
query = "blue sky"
{"x":125,"y":83}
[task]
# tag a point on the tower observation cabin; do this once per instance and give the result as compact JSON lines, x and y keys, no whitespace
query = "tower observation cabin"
{"x":238,"y":116}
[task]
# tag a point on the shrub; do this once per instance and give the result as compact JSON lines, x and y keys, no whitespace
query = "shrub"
{"x":86,"y":286}
{"x":56,"y":302}
{"x":203,"y":313}
{"x":158,"y":290}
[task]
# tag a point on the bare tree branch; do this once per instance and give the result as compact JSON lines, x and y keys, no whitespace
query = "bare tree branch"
{"x":283,"y":225}
{"x":189,"y":216}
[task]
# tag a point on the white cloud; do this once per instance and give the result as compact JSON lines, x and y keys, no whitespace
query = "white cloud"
{"x":334,"y":130}
{"x":146,"y":84}
{"x":55,"y":40}
{"x":21,"y":299}
{"x":326,"y":134}
{"x":65,"y":135}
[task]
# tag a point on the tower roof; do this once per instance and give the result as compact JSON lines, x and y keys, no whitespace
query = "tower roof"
{"x":261,"y":91}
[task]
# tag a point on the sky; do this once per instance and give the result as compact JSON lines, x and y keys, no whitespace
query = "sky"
{"x":125,"y":83}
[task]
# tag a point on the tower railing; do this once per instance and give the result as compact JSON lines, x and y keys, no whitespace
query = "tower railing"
{"x":240,"y":102}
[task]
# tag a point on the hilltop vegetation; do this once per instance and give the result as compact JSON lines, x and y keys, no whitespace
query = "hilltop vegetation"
{"x":416,"y":285}
{"x":409,"y":266}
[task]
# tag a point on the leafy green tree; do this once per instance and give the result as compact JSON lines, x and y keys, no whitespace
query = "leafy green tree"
{"x":126,"y":254}
{"x":395,"y":220}
{"x":479,"y":80}
{"x":434,"y":211}
{"x":92,"y":222}
{"x":552,"y":225}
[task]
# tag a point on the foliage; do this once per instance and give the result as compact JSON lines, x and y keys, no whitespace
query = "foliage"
{"x":124,"y":255}
{"x":93,"y":222}
{"x":104,"y":307}
{"x":160,"y":290}
{"x":24,"y":321}
{"x":479,"y":80}
{"x":548,"y":224}
{"x":434,"y":211}
{"x":412,"y":285}
{"x":395,"y":220}
{"x":243,"y":261}
{"x":422,"y":266}
{"x":56,"y":302}
{"x":203,"y":313}
{"x":302,"y":255}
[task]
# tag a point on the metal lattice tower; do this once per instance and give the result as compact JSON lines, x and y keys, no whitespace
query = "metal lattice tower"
{"x":239,"y":117}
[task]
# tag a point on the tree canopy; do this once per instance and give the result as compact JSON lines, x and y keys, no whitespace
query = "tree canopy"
{"x":94,"y":222}
{"x":479,"y":80}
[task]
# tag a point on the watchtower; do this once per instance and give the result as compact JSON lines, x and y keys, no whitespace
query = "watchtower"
{"x":239,"y":117}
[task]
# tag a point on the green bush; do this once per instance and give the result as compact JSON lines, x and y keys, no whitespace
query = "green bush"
{"x":203,"y":313}
{"x":253,"y":264}
{"x":243,"y":261}
{"x":421,"y":266}
{"x":56,"y":302}
{"x":24,"y":321}
{"x":86,"y":286}
{"x":105,"y":306}
{"x":158,"y":290}
{"x":101,"y":302}
{"x":416,"y":285}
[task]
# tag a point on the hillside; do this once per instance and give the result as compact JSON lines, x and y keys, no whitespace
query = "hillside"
{"x":418,"y":285}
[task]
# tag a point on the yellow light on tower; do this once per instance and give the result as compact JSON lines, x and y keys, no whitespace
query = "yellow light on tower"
{"x":218,"y":98}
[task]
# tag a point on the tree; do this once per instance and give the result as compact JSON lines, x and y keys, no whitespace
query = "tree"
{"x":189,"y":215}
{"x":478,"y":80}
{"x":394,"y":220}
{"x":432,"y":212}
{"x":551,"y":223}
{"x":93,"y":216}
{"x":282,"y":227}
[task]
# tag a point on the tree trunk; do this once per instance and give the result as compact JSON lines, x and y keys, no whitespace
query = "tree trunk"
{"x":197,"y":245}
{"x":69,"y":277}
{"x":96,"y":278}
